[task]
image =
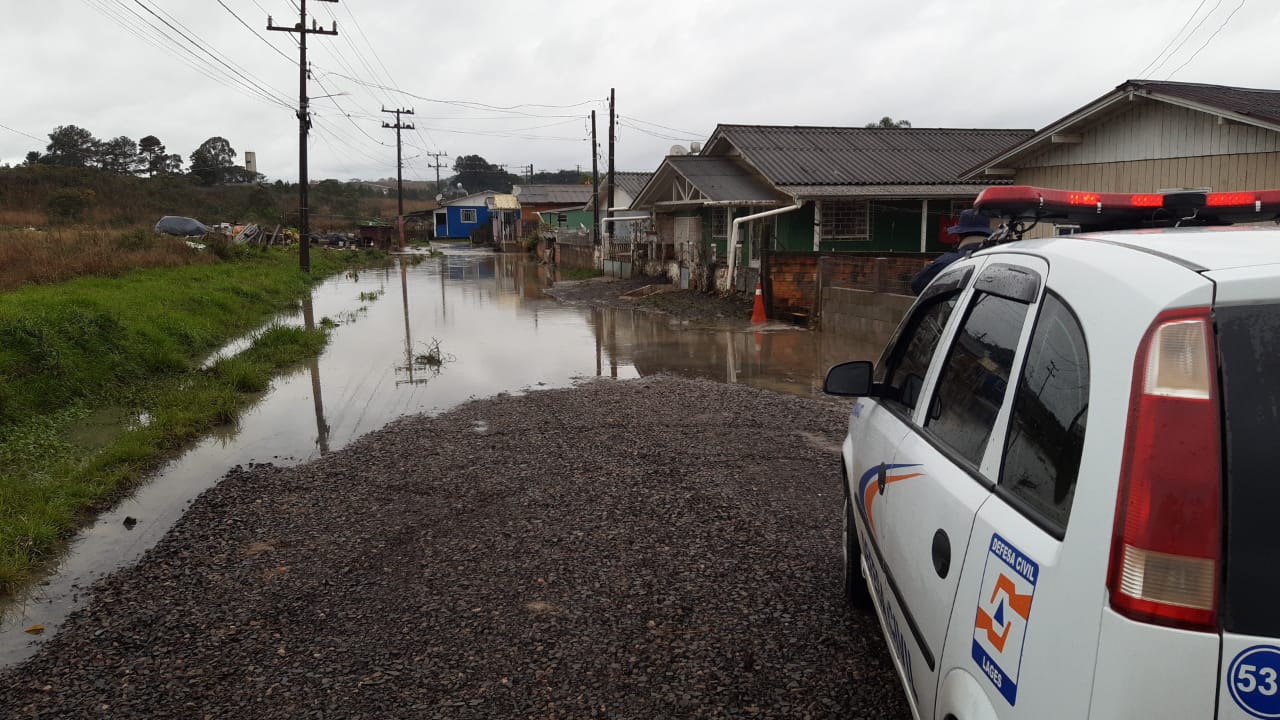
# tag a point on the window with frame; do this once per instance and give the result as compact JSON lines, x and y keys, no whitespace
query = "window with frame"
{"x":1050,"y":407}
{"x":844,"y":220}
{"x":468,"y":216}
{"x":720,"y":222}
{"x":907,"y":360}
{"x":975,"y":376}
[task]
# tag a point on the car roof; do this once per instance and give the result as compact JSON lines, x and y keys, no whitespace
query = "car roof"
{"x":1205,"y":248}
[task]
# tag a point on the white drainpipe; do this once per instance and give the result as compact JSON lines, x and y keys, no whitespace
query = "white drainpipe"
{"x":733,"y":239}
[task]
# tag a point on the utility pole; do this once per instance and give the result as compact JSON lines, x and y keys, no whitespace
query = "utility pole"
{"x":437,"y":165}
{"x":595,"y":182}
{"x":530,"y":173}
{"x":612,"y":132}
{"x":304,"y":123}
{"x":399,"y":168}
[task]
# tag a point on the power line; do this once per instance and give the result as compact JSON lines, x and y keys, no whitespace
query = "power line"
{"x":1171,"y":40}
{"x":1206,"y":42}
{"x":19,"y":132}
{"x":255,"y":32}
{"x":1169,"y":57}
{"x":200,"y":45}
{"x":473,"y":105}
{"x":664,"y":127}
{"x":661,"y":136}
{"x":135,"y":24}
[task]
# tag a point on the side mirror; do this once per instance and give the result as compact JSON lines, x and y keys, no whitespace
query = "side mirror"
{"x":849,"y":379}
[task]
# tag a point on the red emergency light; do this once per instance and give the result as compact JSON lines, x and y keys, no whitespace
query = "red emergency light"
{"x":1117,"y":210}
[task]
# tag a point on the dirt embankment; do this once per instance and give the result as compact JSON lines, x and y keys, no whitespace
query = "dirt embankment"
{"x":638,"y":549}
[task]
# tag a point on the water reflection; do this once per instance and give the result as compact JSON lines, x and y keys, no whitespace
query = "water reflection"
{"x":499,"y":332}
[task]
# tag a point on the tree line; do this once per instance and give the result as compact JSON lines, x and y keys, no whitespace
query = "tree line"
{"x":213,"y":163}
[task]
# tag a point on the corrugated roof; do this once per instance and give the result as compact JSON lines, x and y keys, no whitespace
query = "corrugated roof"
{"x":630,"y":182}
{"x":504,"y":202}
{"x":721,"y":179}
{"x":960,"y":190}
{"x":810,"y":156}
{"x":1263,"y":105}
{"x":554,"y":194}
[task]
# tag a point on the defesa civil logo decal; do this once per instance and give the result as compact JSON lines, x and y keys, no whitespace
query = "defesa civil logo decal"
{"x":1004,"y":607}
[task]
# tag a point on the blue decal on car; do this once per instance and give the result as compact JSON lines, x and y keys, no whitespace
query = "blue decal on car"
{"x":1004,"y":610}
{"x":1254,"y":680}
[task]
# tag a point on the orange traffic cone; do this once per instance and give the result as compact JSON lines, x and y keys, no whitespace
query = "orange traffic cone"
{"x":757,"y":312}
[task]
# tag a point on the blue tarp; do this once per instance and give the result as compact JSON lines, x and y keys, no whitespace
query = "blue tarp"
{"x":181,"y":226}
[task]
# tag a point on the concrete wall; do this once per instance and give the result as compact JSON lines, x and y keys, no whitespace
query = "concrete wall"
{"x":863,"y":313}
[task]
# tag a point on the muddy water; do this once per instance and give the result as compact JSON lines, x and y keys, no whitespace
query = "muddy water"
{"x":413,"y":339}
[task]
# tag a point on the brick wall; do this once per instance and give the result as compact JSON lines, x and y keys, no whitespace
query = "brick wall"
{"x":792,"y":278}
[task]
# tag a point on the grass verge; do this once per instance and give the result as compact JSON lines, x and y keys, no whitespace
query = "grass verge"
{"x":123,"y":356}
{"x":579,"y":273}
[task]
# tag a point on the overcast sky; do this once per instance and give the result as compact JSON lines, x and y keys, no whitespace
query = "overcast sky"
{"x":515,"y":80}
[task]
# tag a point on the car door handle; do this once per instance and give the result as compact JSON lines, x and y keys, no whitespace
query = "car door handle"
{"x":882,"y":477}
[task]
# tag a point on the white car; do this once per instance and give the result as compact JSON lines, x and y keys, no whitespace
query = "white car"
{"x":1063,"y":474}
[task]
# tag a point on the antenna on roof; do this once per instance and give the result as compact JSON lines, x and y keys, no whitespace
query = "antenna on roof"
{"x":677,"y":150}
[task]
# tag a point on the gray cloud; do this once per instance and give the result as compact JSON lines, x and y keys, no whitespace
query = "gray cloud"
{"x":685,"y":65}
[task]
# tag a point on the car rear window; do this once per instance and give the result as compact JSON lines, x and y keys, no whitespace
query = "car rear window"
{"x":1249,"y":352}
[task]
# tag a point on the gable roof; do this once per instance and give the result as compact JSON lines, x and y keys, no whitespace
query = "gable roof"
{"x":630,"y":183}
{"x":1250,"y":106}
{"x":473,"y":200}
{"x":553,"y":194}
{"x":843,"y":156}
{"x":707,"y":180}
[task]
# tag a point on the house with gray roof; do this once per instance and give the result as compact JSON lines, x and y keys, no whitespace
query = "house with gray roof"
{"x":1145,"y":136}
{"x":824,"y":188}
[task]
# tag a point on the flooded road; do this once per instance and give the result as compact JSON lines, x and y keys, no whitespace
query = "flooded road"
{"x":413,"y":339}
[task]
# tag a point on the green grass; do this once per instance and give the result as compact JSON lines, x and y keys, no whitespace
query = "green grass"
{"x":80,"y":359}
{"x":579,"y":273}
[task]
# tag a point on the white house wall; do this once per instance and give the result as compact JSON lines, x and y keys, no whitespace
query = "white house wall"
{"x":1152,"y":130}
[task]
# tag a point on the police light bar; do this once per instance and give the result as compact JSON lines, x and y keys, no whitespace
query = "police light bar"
{"x":1128,"y":209}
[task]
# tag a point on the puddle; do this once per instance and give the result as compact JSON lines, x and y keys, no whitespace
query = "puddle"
{"x":410,"y":339}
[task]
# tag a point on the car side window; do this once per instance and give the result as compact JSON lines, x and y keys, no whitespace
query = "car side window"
{"x":1050,"y":407}
{"x":975,"y":375}
{"x":903,"y":369}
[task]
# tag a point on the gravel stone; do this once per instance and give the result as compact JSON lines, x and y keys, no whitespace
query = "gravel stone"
{"x":640,"y":549}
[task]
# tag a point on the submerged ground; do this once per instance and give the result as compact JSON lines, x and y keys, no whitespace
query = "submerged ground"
{"x":645,"y":548}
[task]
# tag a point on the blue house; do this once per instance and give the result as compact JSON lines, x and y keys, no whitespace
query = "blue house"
{"x":458,"y":217}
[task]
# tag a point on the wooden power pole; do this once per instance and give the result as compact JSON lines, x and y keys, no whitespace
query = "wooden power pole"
{"x":304,"y":123}
{"x":595,"y":181}
{"x":399,"y":169}
{"x":612,"y":133}
{"x":435,"y":157}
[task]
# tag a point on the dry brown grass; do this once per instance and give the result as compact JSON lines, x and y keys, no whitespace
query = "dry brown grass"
{"x":33,"y":256}
{"x":22,"y":218}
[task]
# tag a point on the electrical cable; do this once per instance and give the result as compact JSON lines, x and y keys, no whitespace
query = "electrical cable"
{"x":1171,"y":40}
{"x":664,"y":127}
{"x":19,"y":132}
{"x":135,"y":24}
{"x":1206,"y":42}
{"x":259,"y":36}
{"x":201,"y":45}
{"x":1169,"y":57}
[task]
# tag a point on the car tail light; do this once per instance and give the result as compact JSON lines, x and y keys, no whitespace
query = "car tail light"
{"x":1167,"y":537}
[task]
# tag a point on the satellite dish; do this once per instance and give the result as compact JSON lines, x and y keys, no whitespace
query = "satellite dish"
{"x":677,"y":150}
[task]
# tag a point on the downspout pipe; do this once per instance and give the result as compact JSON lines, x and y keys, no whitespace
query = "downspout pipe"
{"x":733,"y":244}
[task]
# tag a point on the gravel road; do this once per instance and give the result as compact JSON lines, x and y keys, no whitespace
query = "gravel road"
{"x":654,"y":548}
